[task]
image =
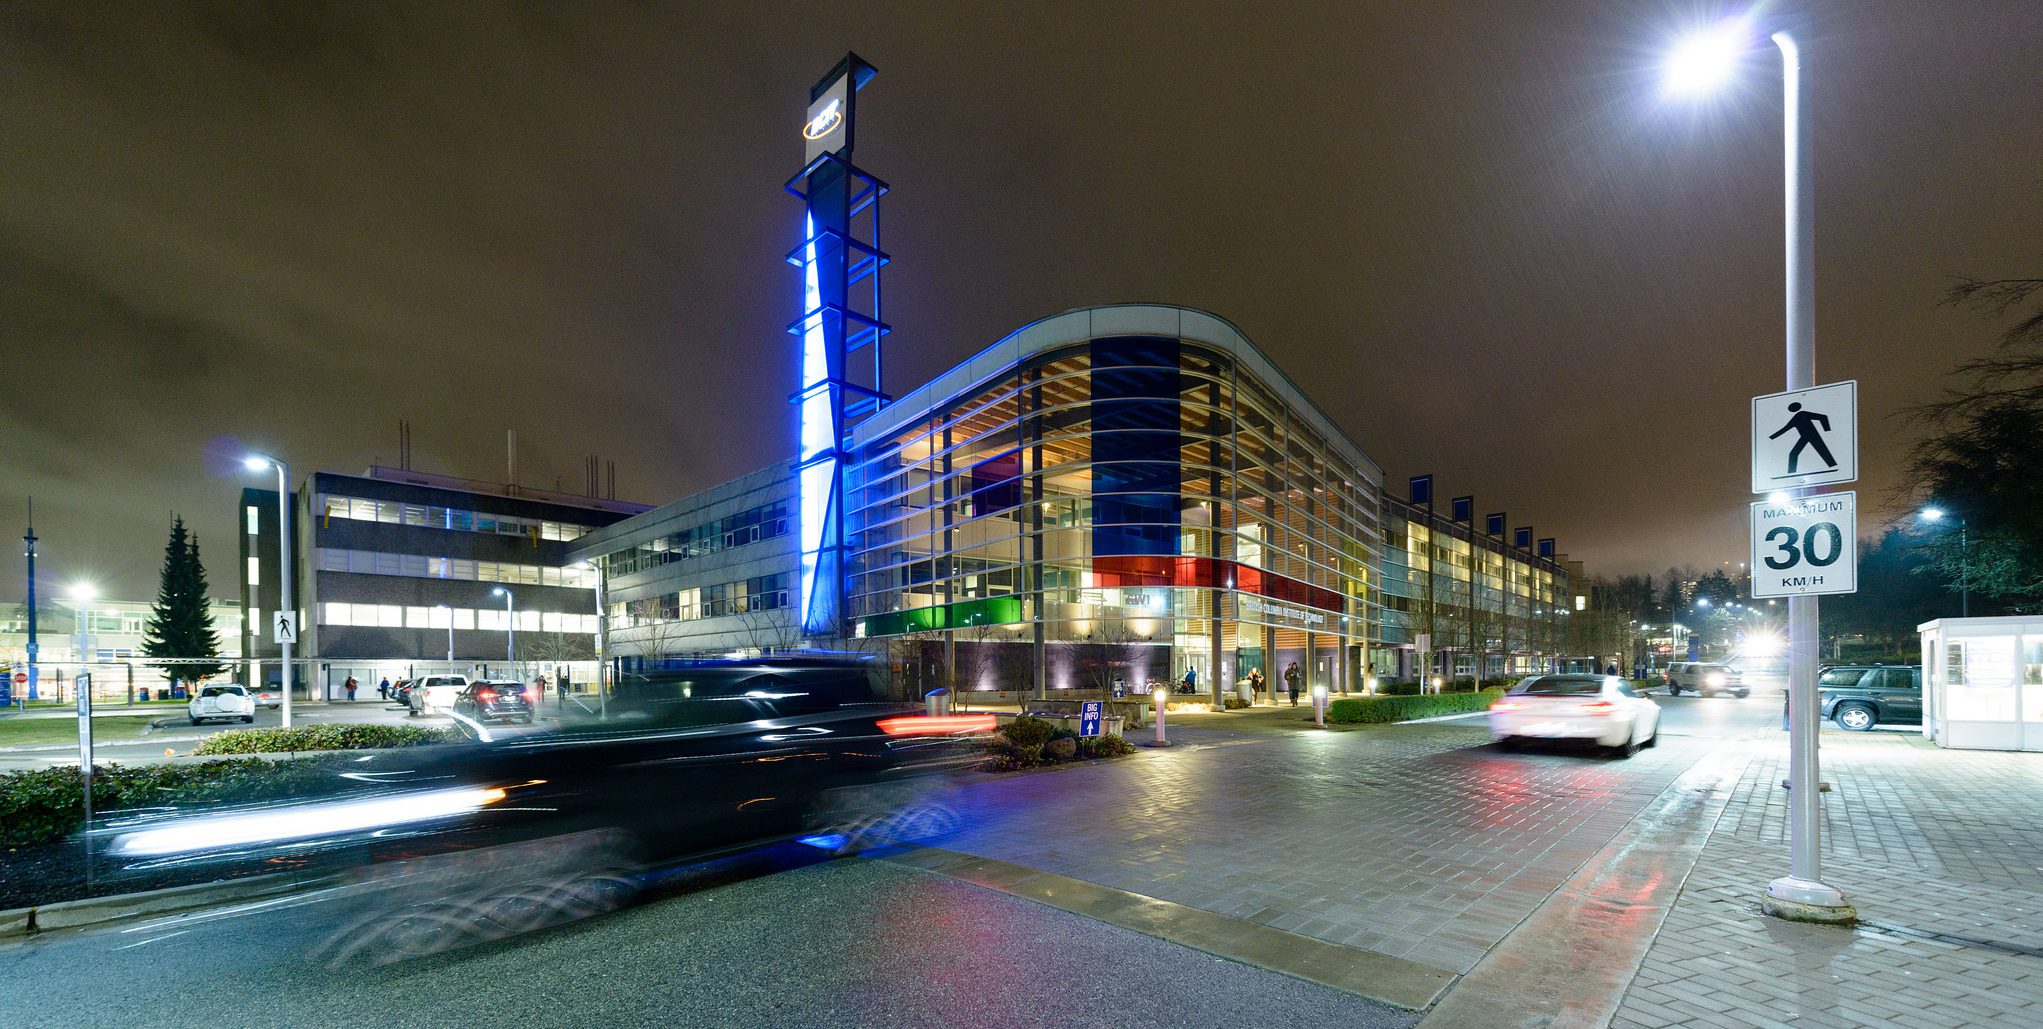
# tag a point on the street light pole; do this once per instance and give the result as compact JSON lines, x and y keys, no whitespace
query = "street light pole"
{"x":256,"y":462}
{"x":450,"y":635}
{"x":1801,"y":894}
{"x":510,"y":631}
{"x":1704,"y":61}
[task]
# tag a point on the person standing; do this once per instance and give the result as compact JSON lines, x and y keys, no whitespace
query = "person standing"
{"x":560,"y":690}
{"x":383,"y":688}
{"x":1292,"y":676}
{"x":351,"y":688}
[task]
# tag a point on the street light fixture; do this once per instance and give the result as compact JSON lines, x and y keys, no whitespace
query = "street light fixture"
{"x":510,"y":630}
{"x":602,"y":641}
{"x":287,"y":611}
{"x":1705,"y":60}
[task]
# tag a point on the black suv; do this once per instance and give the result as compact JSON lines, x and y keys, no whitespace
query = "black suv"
{"x":483,"y":701}
{"x":1859,"y":697}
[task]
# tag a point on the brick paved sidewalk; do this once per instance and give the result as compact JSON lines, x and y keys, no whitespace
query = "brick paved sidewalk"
{"x":1941,"y":852}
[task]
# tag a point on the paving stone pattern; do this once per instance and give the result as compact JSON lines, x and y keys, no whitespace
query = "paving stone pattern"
{"x":1941,"y":852}
{"x":1419,"y":841}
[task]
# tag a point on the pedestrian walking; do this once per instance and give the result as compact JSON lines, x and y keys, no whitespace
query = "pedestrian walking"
{"x":351,"y":688}
{"x":1291,"y":679}
{"x":1255,"y":685}
{"x":560,"y":690}
{"x":383,"y":688}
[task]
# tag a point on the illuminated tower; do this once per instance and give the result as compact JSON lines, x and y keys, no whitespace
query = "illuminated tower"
{"x":840,"y":261}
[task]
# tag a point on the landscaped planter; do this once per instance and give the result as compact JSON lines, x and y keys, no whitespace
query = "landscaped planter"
{"x":1109,"y":724}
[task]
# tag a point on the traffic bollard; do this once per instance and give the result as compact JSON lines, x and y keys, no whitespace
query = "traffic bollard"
{"x":1162,"y":698}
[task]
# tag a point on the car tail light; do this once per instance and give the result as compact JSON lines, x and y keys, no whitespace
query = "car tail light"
{"x":1506,"y":705}
{"x":486,"y":695}
{"x":1598,"y":707}
{"x":531,"y":694}
{"x":935,"y":725}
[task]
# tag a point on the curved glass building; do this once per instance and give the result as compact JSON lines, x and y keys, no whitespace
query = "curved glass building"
{"x":1132,"y":488}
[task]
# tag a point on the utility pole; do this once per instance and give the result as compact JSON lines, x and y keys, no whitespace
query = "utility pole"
{"x":29,"y":540}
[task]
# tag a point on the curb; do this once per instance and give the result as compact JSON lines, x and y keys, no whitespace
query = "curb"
{"x":74,"y":914}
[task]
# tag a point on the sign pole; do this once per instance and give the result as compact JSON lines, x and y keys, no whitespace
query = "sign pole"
{"x":1801,"y":895}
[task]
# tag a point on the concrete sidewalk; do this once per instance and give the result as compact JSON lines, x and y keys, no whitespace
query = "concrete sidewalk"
{"x":1941,"y":851}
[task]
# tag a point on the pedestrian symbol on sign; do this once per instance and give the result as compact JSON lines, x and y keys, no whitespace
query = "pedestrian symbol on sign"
{"x":1805,"y":437}
{"x":1804,"y":423}
{"x":287,"y":629}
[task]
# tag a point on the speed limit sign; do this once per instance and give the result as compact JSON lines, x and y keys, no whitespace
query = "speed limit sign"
{"x":1805,"y":547}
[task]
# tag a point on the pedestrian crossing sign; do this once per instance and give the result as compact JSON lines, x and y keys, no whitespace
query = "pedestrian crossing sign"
{"x":1805,"y":437}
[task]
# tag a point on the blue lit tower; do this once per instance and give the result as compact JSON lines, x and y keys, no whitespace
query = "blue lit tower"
{"x":840,"y":262}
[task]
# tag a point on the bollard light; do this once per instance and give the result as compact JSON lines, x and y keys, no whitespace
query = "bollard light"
{"x":1319,"y":705}
{"x":1162,"y":697}
{"x":1437,"y":682}
{"x":1369,"y":684}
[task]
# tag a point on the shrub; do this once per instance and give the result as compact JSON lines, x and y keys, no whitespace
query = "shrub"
{"x":1029,"y":731}
{"x":1234,"y":703}
{"x":1400,"y":689}
{"x":45,"y":805}
{"x":323,"y":737}
{"x":1371,"y":710}
{"x":1107,"y":745}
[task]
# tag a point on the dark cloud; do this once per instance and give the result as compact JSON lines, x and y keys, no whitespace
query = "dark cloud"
{"x":1473,"y":230}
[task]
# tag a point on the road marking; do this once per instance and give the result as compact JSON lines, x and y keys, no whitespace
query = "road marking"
{"x":158,"y":939}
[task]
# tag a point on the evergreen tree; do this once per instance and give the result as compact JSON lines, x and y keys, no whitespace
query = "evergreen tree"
{"x":180,"y":624}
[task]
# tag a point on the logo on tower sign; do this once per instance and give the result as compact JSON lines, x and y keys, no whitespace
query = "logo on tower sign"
{"x":827,"y":127}
{"x":1805,"y":437}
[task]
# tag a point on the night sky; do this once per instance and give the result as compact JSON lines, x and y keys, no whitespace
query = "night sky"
{"x":1478,"y":235}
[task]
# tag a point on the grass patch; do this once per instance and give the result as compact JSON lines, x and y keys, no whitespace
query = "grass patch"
{"x":24,"y":732}
{"x":1376,"y":710}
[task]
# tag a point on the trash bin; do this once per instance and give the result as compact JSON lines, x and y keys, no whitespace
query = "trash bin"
{"x":1246,"y":690}
{"x":143,"y":693}
{"x":937,"y":701}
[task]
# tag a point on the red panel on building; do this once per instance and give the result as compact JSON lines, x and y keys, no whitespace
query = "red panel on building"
{"x":1115,"y":572}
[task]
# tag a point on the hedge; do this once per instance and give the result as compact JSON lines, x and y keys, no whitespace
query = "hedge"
{"x":323,"y":737}
{"x":47,"y":804}
{"x":1369,"y":710}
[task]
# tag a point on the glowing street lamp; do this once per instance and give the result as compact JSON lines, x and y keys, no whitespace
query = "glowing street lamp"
{"x":1702,"y":62}
{"x":286,"y":607}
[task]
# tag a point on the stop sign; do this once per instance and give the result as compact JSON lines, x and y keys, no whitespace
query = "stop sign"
{"x":20,"y":678}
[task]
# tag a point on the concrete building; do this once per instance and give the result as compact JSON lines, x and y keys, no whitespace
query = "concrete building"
{"x":400,"y":572}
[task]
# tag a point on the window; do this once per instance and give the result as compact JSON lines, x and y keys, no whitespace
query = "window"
{"x":418,"y":618}
{"x":254,"y":522}
{"x":255,"y":571}
{"x":464,"y":618}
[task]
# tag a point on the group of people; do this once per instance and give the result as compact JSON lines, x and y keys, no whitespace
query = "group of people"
{"x":1294,"y":680}
{"x":384,"y":691}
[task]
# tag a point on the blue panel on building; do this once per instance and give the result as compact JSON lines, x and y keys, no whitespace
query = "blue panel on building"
{"x":1135,"y":446}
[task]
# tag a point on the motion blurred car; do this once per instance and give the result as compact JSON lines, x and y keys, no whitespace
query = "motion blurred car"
{"x":494,"y":701}
{"x":226,"y":702}
{"x":434,"y":694}
{"x":1706,"y":679}
{"x":1600,"y":709}
{"x":400,"y":691}
{"x":691,"y":763}
{"x":271,"y":699}
{"x":1860,"y":697}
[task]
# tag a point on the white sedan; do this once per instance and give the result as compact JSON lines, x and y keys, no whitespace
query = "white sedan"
{"x":1600,"y":709}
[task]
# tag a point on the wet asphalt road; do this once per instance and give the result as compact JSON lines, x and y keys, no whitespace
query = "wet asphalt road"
{"x":777,"y":940}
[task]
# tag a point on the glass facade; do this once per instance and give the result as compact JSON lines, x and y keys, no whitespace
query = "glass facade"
{"x":1490,"y":609}
{"x":1126,"y":507}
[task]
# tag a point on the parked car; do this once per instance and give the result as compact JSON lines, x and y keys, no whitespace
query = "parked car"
{"x":400,"y":691}
{"x":435,"y":694}
{"x":1859,"y":697}
{"x":272,"y":699}
{"x":504,"y":701}
{"x":1705,"y":679}
{"x":228,"y":702}
{"x":1601,"y":709}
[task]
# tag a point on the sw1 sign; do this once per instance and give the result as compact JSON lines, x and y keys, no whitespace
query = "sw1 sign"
{"x":1805,"y":547}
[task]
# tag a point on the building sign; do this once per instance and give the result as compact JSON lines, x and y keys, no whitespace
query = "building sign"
{"x":827,"y":127}
{"x":1282,"y":613}
{"x":1089,"y":718}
